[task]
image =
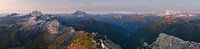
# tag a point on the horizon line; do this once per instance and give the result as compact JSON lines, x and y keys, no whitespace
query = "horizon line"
{"x":99,"y":12}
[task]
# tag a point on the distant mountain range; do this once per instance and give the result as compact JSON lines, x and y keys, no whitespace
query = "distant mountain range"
{"x":93,"y":31}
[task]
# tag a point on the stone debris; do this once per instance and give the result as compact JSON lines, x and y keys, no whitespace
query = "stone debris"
{"x":165,"y":41}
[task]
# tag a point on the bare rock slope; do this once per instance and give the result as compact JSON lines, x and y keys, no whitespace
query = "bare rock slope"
{"x":165,"y":41}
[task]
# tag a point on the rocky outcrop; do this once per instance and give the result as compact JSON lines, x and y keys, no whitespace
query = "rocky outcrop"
{"x":92,"y":41}
{"x":53,"y":27}
{"x":165,"y":41}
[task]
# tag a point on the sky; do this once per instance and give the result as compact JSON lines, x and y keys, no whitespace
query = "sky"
{"x":98,"y":5}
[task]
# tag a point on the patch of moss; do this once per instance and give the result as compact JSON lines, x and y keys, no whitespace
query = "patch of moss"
{"x":84,"y":41}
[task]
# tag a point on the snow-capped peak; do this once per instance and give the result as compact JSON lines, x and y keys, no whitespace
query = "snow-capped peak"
{"x":168,"y":12}
{"x":36,"y":13}
{"x":174,"y":13}
{"x":79,"y":13}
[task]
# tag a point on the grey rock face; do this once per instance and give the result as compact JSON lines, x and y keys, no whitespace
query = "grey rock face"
{"x":165,"y":41}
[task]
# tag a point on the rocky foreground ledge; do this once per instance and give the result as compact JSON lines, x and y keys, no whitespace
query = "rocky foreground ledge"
{"x":165,"y":41}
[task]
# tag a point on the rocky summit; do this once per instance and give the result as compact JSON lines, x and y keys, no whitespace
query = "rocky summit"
{"x":165,"y":41}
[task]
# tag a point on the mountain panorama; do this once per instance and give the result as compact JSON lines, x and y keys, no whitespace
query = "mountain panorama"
{"x":82,"y":30}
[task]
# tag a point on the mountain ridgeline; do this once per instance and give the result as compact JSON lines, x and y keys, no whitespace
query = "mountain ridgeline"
{"x":81,"y":30}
